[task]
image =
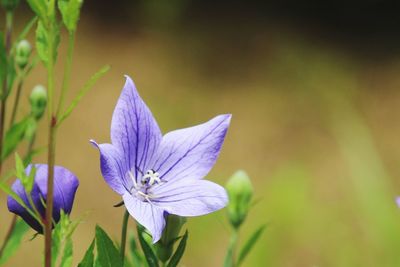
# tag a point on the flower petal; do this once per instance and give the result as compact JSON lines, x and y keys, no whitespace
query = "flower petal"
{"x":65,"y":186}
{"x":191,"y":152}
{"x":113,"y":168}
{"x":190,"y":197}
{"x":134,"y":131}
{"x":15,"y":207}
{"x":147,"y":214}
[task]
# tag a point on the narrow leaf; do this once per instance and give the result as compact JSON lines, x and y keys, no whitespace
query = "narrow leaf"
{"x":66,"y":260}
{"x":42,"y":42}
{"x":179,"y":251}
{"x":88,"y":259}
{"x":107,"y":253}
{"x":89,"y":84}
{"x":135,"y":254}
{"x":250,"y":244}
{"x":13,"y":137}
{"x":19,"y":166}
{"x":148,"y":252}
{"x":70,"y":11}
{"x":39,"y":7}
{"x":20,"y":229}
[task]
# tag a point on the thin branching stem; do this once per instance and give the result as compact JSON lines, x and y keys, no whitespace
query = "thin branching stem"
{"x":67,"y":73}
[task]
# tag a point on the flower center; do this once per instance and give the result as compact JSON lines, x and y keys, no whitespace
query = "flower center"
{"x":141,"y":189}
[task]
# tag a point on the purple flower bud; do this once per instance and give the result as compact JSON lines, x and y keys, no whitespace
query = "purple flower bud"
{"x":65,"y":186}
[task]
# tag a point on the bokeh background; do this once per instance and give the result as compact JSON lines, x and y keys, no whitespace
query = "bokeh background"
{"x":314,"y":92}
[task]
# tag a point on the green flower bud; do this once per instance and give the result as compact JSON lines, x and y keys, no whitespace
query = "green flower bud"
{"x":9,"y":5}
{"x":22,"y":54}
{"x":38,"y":101}
{"x":240,"y":192}
{"x":165,"y":246}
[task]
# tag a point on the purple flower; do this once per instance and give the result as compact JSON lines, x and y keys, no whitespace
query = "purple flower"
{"x":398,"y":201}
{"x":158,"y":175}
{"x":65,"y":186}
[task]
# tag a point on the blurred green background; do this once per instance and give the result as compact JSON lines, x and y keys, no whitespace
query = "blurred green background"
{"x":314,"y":92}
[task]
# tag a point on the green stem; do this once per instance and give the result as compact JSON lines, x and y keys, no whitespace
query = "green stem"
{"x":230,"y":259}
{"x":67,"y":73}
{"x":16,"y":101}
{"x":52,"y":137}
{"x":9,"y":22}
{"x":123,"y":235}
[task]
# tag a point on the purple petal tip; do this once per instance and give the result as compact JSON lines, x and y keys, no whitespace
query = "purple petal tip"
{"x":94,"y":143}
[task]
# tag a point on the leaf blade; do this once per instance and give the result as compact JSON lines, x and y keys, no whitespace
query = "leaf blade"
{"x":150,"y":257}
{"x":179,"y":251}
{"x":107,"y":253}
{"x":88,"y":259}
{"x":20,"y":229}
{"x":82,"y":92}
{"x":250,"y":244}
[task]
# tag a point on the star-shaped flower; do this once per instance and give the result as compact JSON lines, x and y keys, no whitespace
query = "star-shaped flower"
{"x":158,"y":175}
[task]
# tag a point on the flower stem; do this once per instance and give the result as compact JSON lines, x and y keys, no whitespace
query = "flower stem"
{"x":231,"y":254}
{"x":123,"y":235}
{"x":52,"y":138}
{"x":9,"y":22}
{"x":50,"y":189}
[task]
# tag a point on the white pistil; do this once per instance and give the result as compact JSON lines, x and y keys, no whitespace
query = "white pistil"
{"x":148,"y":180}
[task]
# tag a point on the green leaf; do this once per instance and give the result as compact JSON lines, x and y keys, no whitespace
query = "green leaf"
{"x":56,"y":242}
{"x":179,"y":251}
{"x":135,"y":254}
{"x":148,"y":252}
{"x":107,"y":253}
{"x":66,"y":260}
{"x":70,"y":11}
{"x":20,"y":229}
{"x":88,"y":259}
{"x":19,"y":166}
{"x":39,"y":7}
{"x":13,"y":137}
{"x":89,"y":84}
{"x":43,"y":40}
{"x":250,"y":244}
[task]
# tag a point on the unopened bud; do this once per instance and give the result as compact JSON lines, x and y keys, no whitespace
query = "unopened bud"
{"x":240,"y":192}
{"x":23,"y":53}
{"x":38,"y":101}
{"x":9,"y":5}
{"x":164,"y":247}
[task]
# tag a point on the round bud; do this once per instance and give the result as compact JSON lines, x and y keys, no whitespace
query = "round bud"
{"x":38,"y":101}
{"x":22,"y":54}
{"x":240,"y":192}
